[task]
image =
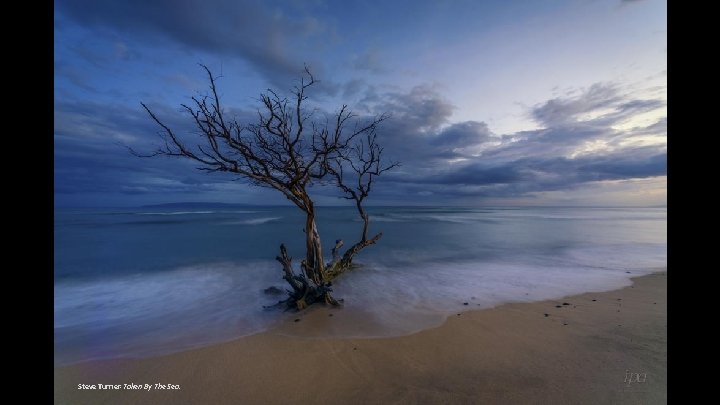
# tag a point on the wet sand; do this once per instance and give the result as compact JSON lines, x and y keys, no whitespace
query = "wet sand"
{"x":594,"y":348}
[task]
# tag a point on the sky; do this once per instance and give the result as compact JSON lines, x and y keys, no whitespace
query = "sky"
{"x":518,"y":103}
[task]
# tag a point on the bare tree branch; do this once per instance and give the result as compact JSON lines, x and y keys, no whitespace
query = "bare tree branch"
{"x":365,"y":162}
{"x":287,"y":150}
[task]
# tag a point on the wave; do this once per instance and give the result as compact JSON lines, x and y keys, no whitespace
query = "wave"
{"x":175,"y":213}
{"x":151,"y":222}
{"x":428,"y":217}
{"x":194,"y":212}
{"x":157,"y":313}
{"x":254,"y":221}
{"x":386,"y":301}
{"x":582,"y":217}
{"x":466,"y":216}
{"x":377,"y":218}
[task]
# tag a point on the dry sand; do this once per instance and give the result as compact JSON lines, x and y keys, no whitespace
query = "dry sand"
{"x":512,"y":354}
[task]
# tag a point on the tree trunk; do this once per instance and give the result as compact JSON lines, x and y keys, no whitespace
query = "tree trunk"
{"x":305,"y":292}
{"x":313,"y":247}
{"x":315,"y":262}
{"x":313,"y":284}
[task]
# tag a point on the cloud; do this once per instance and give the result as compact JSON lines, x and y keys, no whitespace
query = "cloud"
{"x":369,"y":62}
{"x":478,"y":174}
{"x":417,"y":118}
{"x":259,"y":32}
{"x":442,"y":160}
{"x":91,"y":154}
{"x":559,"y":111}
{"x":353,"y":87}
{"x":578,"y":144}
{"x":422,"y":108}
{"x":462,"y":135}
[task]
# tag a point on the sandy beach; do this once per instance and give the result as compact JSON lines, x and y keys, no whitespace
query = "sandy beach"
{"x":594,"y":348}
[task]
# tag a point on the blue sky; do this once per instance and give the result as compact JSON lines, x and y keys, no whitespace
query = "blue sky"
{"x":492,"y":102}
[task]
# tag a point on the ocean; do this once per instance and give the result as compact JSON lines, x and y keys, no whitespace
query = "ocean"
{"x":137,"y":282}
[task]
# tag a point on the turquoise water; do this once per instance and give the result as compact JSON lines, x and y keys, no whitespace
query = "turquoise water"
{"x":144,"y":281}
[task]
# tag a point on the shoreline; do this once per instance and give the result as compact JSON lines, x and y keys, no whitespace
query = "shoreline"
{"x":539,"y":352}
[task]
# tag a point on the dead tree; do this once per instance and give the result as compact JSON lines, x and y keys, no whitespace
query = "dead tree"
{"x":354,"y":170}
{"x":287,"y":150}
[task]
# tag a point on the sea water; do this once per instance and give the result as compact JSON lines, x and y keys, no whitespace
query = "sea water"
{"x":145,"y":281}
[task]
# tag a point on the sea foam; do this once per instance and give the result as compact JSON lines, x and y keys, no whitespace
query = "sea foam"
{"x":128,"y":290}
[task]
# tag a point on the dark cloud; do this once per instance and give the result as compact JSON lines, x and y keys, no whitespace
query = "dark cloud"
{"x":261,"y":32}
{"x":605,"y":169}
{"x":479,"y":174}
{"x":559,"y":111}
{"x":422,"y":109}
{"x":551,"y":173}
{"x":578,"y":144}
{"x":440,"y":160}
{"x":416,"y":119}
{"x":91,"y":154}
{"x":462,"y":135}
